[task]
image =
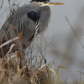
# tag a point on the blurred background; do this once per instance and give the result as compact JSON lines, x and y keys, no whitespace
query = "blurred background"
{"x":64,"y":38}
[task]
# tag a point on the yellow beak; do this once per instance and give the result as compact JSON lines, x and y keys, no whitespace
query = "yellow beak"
{"x":51,"y":3}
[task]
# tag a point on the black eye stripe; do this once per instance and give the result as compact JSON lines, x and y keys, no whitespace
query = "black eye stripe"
{"x":41,"y":0}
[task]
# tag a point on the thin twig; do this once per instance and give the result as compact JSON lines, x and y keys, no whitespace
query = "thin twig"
{"x":74,"y":32}
{"x":1,"y":4}
{"x":80,"y":32}
{"x":64,"y":67}
{"x":11,"y":48}
{"x":9,"y":41}
{"x":38,"y":70}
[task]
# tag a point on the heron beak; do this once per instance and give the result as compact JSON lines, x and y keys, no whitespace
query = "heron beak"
{"x":51,"y":3}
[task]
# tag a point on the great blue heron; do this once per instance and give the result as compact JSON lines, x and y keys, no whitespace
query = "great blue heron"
{"x":30,"y":19}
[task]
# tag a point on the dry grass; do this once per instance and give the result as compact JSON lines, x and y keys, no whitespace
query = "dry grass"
{"x":15,"y":71}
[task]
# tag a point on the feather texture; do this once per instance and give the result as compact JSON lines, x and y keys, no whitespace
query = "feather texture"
{"x":24,"y":24}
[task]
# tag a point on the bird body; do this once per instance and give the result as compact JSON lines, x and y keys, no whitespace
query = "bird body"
{"x":20,"y":20}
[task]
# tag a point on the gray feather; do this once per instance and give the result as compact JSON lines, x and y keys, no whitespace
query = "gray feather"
{"x":24,"y":24}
